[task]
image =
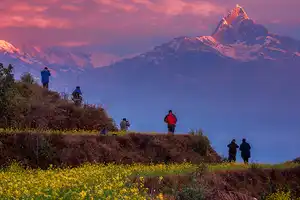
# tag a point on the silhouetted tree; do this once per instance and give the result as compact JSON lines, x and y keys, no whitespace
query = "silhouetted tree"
{"x":7,"y":92}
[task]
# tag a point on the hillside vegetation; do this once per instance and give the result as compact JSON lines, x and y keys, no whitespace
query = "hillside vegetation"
{"x":62,"y":150}
{"x":24,"y":104}
{"x":139,"y":181}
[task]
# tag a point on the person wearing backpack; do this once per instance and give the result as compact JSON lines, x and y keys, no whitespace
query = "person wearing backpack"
{"x":171,"y":121}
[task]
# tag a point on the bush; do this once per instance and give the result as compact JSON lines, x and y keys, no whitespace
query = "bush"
{"x":198,"y":132}
{"x":280,"y":195}
{"x":27,"y":78}
{"x":203,"y":145}
{"x":191,"y":193}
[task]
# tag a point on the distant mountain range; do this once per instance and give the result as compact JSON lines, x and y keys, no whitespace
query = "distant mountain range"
{"x":62,"y":61}
{"x":236,"y":43}
{"x":237,"y":38}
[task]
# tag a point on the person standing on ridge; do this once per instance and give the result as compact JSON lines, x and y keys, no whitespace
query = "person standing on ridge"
{"x":232,"y":151}
{"x":77,"y":92}
{"x":76,"y":96}
{"x":124,"y":124}
{"x":245,"y":151}
{"x":45,"y":74}
{"x":171,"y":120}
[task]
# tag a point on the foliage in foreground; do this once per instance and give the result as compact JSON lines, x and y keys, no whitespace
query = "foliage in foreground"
{"x":97,"y":181}
{"x":85,"y":182}
{"x":280,"y":195}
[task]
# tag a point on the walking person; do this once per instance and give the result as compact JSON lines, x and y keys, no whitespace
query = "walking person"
{"x":124,"y":125}
{"x":245,"y":151}
{"x":45,"y":74}
{"x":171,"y":120}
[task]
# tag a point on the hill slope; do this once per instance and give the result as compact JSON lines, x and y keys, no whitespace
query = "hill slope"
{"x":41,"y":150}
{"x":24,"y":104}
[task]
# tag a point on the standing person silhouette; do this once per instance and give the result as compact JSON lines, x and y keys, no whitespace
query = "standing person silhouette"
{"x":124,"y":124}
{"x":232,"y":151}
{"x":171,"y":120}
{"x":245,"y":151}
{"x":45,"y":74}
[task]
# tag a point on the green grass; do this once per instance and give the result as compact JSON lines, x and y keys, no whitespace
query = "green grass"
{"x":187,"y":168}
{"x":241,"y":166}
{"x":67,"y":132}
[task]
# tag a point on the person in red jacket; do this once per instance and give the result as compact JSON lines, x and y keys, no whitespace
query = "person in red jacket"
{"x":171,"y":120}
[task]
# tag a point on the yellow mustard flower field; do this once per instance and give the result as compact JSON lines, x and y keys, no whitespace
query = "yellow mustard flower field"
{"x":92,"y":181}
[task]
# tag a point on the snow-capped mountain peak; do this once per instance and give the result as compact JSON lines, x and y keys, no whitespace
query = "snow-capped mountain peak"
{"x":231,"y":27}
{"x":234,"y":17}
{"x":237,"y":37}
{"x":238,"y":13}
{"x":8,"y":47}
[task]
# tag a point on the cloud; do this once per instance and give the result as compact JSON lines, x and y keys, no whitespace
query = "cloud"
{"x":70,"y":7}
{"x":120,"y":5}
{"x":21,"y":7}
{"x":37,"y":21}
{"x":29,"y":14}
{"x":127,"y":22}
{"x":176,"y":7}
{"x":73,"y":43}
{"x":167,"y":7}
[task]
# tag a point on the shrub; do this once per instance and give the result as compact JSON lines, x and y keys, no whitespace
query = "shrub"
{"x":191,"y":193}
{"x":198,"y":132}
{"x":280,"y":195}
{"x":203,"y":145}
{"x":27,"y":78}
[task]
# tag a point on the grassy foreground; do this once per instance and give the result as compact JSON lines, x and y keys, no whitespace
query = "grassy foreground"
{"x":67,"y":132}
{"x":95,"y":181}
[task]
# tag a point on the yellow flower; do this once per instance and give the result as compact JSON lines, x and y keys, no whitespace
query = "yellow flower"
{"x":82,"y":194}
{"x":160,"y":196}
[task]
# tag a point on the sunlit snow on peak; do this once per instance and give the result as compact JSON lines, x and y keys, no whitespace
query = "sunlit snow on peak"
{"x":7,"y":47}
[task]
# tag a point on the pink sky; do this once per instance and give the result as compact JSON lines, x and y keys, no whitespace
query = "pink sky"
{"x":111,"y":22}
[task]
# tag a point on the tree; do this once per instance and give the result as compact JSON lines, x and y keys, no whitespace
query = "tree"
{"x":7,"y":92}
